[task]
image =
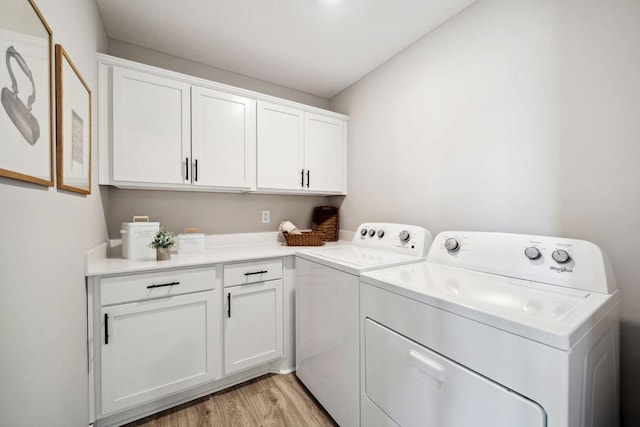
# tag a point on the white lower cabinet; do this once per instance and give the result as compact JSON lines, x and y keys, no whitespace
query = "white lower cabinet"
{"x":154,"y":334}
{"x":156,"y":347}
{"x":158,"y":339}
{"x":253,"y":325}
{"x":253,"y":321}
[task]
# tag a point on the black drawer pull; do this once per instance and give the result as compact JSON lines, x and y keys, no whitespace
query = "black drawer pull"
{"x":256,"y":272}
{"x":302,"y":178}
{"x":229,"y":304}
{"x":308,"y":178}
{"x":186,"y":168}
{"x":106,"y":329}
{"x":162,"y":285}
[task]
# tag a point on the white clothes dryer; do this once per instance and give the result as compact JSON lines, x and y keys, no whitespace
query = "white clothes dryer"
{"x":492,"y":330}
{"x":327,"y":300}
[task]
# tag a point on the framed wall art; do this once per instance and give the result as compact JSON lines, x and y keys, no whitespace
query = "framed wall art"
{"x":73,"y":124}
{"x":26,"y":119}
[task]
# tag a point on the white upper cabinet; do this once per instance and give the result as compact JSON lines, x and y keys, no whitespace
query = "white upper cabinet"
{"x":164,"y":130}
{"x":299,"y":151}
{"x":324,"y":153}
{"x":280,"y":147}
{"x":151,"y":127}
{"x":223,"y":139}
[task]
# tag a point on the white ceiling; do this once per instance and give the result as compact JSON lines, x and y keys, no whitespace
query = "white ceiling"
{"x":315,"y":46}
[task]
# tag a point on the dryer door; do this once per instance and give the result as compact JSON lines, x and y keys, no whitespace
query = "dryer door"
{"x":417,"y":387}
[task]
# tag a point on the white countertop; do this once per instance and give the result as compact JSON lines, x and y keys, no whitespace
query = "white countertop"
{"x":218,"y":249}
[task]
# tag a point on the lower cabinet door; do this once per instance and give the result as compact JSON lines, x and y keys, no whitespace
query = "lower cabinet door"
{"x":156,"y":347}
{"x":253,"y":325}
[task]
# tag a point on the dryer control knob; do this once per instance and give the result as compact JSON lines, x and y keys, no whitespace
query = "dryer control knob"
{"x":372,"y":232}
{"x":561,"y":256}
{"x":404,"y":236}
{"x":381,"y":233}
{"x":363,"y":232}
{"x":532,"y":252}
{"x":451,"y":245}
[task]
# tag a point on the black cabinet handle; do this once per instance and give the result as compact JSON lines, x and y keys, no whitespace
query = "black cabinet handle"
{"x":229,"y":304}
{"x":186,"y":167}
{"x":106,"y":329}
{"x":163,"y":285}
{"x":256,"y":272}
{"x":195,"y":174}
{"x":302,"y":178}
{"x":308,"y":180}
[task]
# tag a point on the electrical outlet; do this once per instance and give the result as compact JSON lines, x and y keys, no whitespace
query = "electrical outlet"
{"x":266,"y":217}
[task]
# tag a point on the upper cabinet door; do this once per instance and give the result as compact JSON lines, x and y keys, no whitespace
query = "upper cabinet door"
{"x":223,"y":139}
{"x":280,"y":147}
{"x":151,"y":128}
{"x":324,"y":153}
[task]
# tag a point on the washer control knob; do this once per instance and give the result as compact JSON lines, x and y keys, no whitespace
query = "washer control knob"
{"x":372,"y":232}
{"x":363,"y":232}
{"x":404,"y":236}
{"x":561,"y":256}
{"x":532,"y":252}
{"x":381,"y":233}
{"x":451,"y":245}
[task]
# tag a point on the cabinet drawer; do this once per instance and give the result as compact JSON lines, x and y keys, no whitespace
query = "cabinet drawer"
{"x":251,"y":272}
{"x":114,"y":290}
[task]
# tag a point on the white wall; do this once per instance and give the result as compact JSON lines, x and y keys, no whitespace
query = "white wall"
{"x":45,"y":233}
{"x":212,"y":213}
{"x":516,"y":117}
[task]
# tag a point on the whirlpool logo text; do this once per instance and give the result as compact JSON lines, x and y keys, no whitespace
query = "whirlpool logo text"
{"x":561,"y":269}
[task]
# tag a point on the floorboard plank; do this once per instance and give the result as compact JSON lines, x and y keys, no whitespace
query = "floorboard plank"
{"x":236,"y":410}
{"x":299,"y":396}
{"x":268,"y":401}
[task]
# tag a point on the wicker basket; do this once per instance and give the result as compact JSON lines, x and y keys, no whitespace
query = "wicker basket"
{"x":307,"y":238}
{"x":326,"y":221}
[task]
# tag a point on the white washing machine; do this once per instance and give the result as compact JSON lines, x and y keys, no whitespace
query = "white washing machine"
{"x":492,"y":330}
{"x":327,"y":315}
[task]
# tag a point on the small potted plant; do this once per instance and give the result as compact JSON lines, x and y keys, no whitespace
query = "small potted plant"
{"x":162,"y":242}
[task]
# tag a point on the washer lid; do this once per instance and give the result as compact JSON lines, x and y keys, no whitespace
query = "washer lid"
{"x":356,"y":259}
{"x":548,"y":314}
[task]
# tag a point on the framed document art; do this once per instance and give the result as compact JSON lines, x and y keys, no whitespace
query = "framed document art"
{"x":73,"y":124}
{"x":26,"y":119}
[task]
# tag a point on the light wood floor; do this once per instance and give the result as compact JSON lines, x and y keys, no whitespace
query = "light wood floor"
{"x":270,"y":400}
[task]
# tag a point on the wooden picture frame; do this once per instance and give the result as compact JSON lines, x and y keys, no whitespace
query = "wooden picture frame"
{"x":73,"y":126}
{"x":26,"y":83}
